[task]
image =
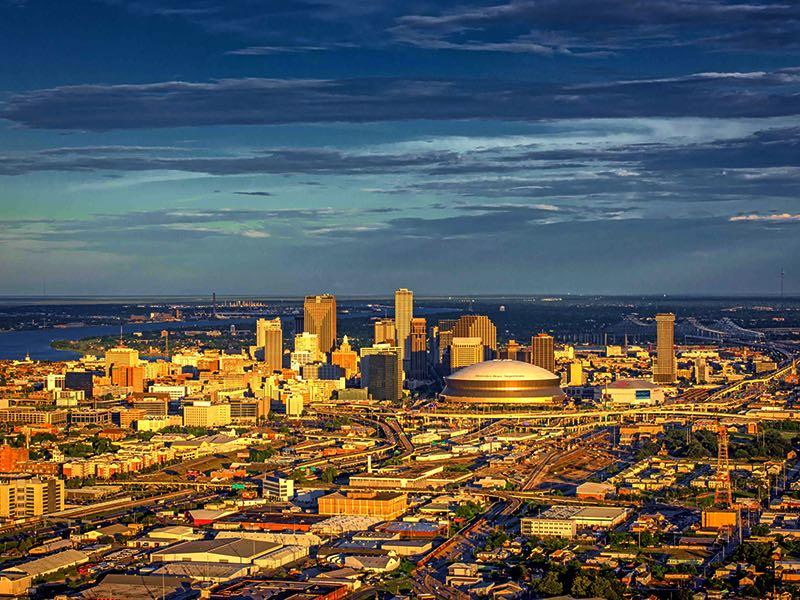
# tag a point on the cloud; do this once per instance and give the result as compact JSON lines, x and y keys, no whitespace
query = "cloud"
{"x":559,"y":26}
{"x":541,"y":27}
{"x":258,"y":101}
{"x":268,"y":50}
{"x":781,"y":218}
{"x":275,"y":161}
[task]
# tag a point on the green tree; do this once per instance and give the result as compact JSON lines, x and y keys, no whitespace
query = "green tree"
{"x":550,"y":585}
{"x":329,"y":474}
{"x":580,"y":586}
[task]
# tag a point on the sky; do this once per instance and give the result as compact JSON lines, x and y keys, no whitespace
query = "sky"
{"x":283,"y":147}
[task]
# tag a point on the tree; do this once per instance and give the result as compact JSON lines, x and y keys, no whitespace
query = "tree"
{"x":329,"y":473}
{"x":759,"y":530}
{"x":468,"y":511}
{"x":580,"y":587}
{"x":550,"y":585}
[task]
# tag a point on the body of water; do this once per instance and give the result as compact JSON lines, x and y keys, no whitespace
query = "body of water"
{"x":36,"y":342}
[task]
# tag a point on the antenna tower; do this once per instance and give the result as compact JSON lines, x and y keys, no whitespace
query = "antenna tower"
{"x":723,"y":496}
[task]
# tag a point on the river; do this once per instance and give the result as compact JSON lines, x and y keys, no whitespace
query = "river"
{"x":36,"y":342}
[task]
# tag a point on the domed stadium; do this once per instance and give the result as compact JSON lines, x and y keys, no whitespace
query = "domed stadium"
{"x":507,"y":384}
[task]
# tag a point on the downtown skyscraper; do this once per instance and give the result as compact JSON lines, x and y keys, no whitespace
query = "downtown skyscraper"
{"x":319,"y":317}
{"x":403,"y":313}
{"x":543,"y":352}
{"x":269,"y":337}
{"x":664,"y":370}
{"x":418,"y":346}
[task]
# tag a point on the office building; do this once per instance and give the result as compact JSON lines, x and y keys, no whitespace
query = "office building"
{"x":319,"y":317}
{"x":512,"y":351}
{"x":80,"y":381}
{"x":31,"y":416}
{"x":277,"y":487}
{"x":665,"y":366}
{"x":543,"y":352}
{"x":121,"y":357}
{"x":537,"y":527}
{"x":385,"y":378}
{"x":128,"y":377}
{"x":317,"y":370}
{"x":205,"y":413}
{"x":34,"y":497}
{"x":308,"y":342}
{"x":465,"y":351}
{"x":384,"y":332}
{"x":480,"y":326}
{"x":575,"y":373}
{"x":152,"y":404}
{"x":403,"y":312}
{"x":443,"y":337}
{"x":346,"y":358}
{"x":269,"y":337}
{"x":700,"y":371}
{"x":418,"y":347}
{"x":293,"y":403}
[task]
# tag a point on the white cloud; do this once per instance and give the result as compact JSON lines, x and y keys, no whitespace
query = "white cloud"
{"x":777,"y":217}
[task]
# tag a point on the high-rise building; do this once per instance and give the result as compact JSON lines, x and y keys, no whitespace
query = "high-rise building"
{"x":418,"y":346}
{"x":319,"y":317}
{"x":131,"y":377}
{"x":324,"y":371}
{"x":121,"y":357}
{"x":80,"y":380}
{"x":700,"y":371}
{"x":308,"y":342}
{"x":261,"y":326}
{"x":385,"y":332}
{"x":543,"y":352}
{"x":269,"y":336}
{"x":444,"y":335}
{"x":403,"y":313}
{"x":512,"y":350}
{"x":575,"y":373}
{"x":346,"y":358}
{"x":479,"y":326}
{"x":385,"y":376}
{"x":664,"y":368}
{"x":31,"y":497}
{"x":465,"y":351}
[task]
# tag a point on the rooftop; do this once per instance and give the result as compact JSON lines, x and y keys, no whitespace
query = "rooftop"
{"x":503,"y":370}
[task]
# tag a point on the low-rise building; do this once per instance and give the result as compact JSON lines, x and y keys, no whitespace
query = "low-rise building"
{"x":384,"y":505}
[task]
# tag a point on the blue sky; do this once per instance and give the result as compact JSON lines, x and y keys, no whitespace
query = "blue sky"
{"x":356,"y":146}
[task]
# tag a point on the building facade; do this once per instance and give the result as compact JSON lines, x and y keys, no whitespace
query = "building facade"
{"x":664,"y":370}
{"x":403,"y":313}
{"x":319,"y":317}
{"x":269,"y":337}
{"x":34,"y":497}
{"x":543,"y":352}
{"x":418,"y":348}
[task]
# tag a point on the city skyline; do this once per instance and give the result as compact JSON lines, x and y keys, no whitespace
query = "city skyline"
{"x":312,"y":145}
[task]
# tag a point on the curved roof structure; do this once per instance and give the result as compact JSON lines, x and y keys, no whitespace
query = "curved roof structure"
{"x":502,"y":382}
{"x":503,"y":370}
